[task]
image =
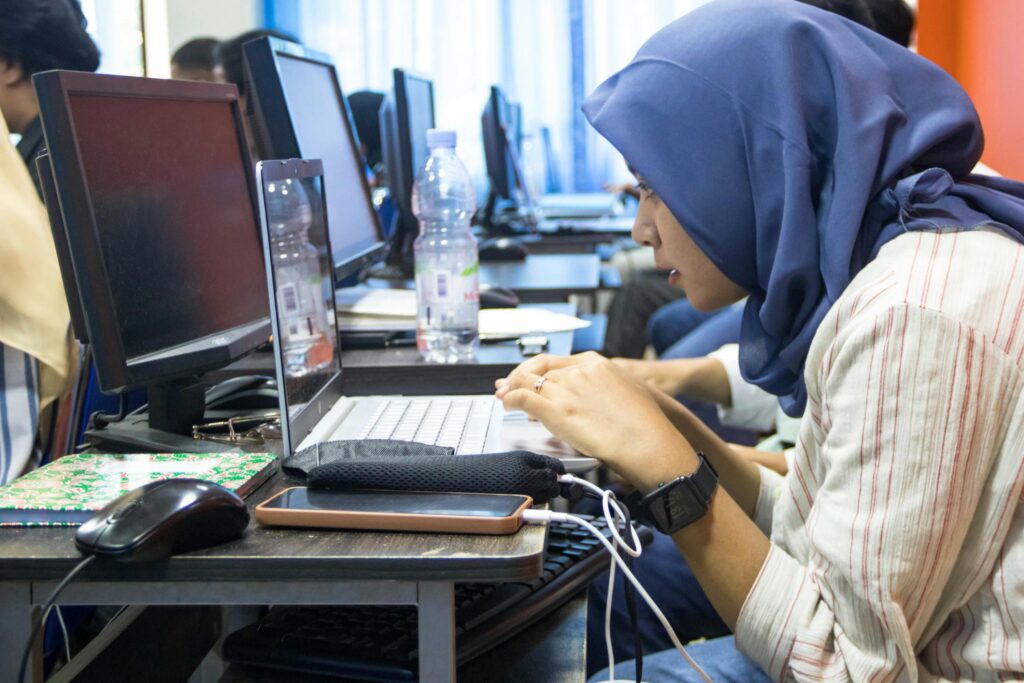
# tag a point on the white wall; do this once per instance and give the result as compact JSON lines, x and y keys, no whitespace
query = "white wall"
{"x":187,"y":19}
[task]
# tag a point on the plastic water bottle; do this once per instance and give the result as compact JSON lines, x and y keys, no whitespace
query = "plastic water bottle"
{"x":446,"y":257}
{"x":300,"y":281}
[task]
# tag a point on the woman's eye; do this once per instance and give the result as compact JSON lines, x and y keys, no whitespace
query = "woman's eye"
{"x":645,"y":189}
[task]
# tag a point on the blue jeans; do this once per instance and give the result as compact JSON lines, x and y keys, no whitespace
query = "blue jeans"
{"x":678,"y":330}
{"x":719,"y":658}
{"x":664,"y":574}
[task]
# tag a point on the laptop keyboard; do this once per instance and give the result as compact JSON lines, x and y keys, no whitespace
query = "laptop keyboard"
{"x":459,"y":423}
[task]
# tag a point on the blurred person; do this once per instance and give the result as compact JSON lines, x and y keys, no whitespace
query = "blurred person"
{"x":38,"y":35}
{"x":196,"y":60}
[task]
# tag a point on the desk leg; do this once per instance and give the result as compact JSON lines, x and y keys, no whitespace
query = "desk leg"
{"x":15,"y":622}
{"x":437,"y":632}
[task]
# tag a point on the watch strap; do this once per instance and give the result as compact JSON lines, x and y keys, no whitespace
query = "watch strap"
{"x":682,"y":501}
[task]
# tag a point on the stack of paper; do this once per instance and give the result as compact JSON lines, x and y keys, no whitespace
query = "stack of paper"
{"x":362,"y":309}
{"x":367,"y":310}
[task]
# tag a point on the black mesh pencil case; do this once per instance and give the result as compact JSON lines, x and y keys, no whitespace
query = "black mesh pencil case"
{"x":406,"y":466}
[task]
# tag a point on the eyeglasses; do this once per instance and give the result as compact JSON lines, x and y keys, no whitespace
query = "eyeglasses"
{"x":244,"y":430}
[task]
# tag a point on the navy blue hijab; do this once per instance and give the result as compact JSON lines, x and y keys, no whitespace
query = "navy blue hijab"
{"x":791,"y":144}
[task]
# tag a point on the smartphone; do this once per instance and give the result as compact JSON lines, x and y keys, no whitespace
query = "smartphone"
{"x":462,"y":513}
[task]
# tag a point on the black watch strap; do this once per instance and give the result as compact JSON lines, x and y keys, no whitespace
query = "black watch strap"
{"x":682,"y":501}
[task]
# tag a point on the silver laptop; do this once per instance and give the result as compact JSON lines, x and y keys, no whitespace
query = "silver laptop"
{"x":307,"y":351}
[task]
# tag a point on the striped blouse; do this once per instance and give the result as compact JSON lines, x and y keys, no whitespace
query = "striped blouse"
{"x":898,"y":536}
{"x":19,"y":412}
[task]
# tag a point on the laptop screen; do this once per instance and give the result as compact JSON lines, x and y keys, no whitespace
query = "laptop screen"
{"x":298,"y":255}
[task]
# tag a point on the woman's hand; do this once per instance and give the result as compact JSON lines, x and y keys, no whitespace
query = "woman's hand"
{"x":602,"y":411}
{"x":669,"y":376}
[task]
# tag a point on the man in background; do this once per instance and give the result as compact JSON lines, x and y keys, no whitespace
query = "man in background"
{"x":38,"y":35}
{"x":196,"y":60}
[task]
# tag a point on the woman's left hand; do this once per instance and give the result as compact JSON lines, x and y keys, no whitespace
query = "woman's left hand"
{"x":602,"y":411}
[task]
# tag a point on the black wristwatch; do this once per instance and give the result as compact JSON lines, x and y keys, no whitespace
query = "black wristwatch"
{"x":682,"y":501}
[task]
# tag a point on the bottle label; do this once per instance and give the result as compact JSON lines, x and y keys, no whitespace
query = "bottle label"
{"x":446,"y":297}
{"x":441,"y":284}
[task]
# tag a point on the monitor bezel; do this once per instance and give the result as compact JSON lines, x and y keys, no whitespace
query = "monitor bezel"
{"x":320,"y":404}
{"x":115,"y":371}
{"x":276,"y":131}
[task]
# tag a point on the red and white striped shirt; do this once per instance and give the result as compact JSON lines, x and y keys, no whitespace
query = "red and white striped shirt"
{"x":898,"y":536}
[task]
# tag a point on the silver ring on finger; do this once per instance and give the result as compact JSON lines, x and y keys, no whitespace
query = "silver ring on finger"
{"x":539,"y":384}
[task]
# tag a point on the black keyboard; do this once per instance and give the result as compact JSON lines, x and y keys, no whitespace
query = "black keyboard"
{"x":373,"y":643}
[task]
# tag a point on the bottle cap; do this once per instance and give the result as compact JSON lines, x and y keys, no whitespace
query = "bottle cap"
{"x":439,"y":137}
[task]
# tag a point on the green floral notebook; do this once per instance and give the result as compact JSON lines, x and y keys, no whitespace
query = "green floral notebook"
{"x":69,"y":490}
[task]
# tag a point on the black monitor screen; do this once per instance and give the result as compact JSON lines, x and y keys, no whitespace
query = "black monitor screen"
{"x":420,"y":103}
{"x":321,"y":122}
{"x":174,"y":214}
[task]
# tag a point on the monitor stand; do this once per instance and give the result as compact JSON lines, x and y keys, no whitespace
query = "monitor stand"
{"x":174,"y":407}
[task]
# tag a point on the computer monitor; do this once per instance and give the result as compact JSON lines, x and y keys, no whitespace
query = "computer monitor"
{"x":405,"y":117}
{"x":158,"y":209}
{"x":300,"y":111}
{"x":501,"y":123}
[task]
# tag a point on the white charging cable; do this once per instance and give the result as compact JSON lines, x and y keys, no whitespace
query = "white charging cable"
{"x":614,"y":515}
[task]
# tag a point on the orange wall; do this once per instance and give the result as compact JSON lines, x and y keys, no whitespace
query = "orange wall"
{"x":981,"y":43}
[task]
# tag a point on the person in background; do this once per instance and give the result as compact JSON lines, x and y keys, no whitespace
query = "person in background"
{"x":38,"y":35}
{"x":229,"y":65}
{"x":894,"y":19}
{"x":36,"y":349}
{"x":835,"y":192}
{"x":196,"y":60}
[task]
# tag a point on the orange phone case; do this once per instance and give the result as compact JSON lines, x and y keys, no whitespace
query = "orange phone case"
{"x":392,"y":521}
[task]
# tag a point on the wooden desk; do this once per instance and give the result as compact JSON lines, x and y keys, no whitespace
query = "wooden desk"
{"x":545,"y":277}
{"x":271,"y":566}
{"x":401,"y":369}
{"x":539,"y":278}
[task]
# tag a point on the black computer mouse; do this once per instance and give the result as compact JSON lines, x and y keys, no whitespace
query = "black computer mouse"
{"x":164,"y":518}
{"x":503,"y":249}
{"x":497,"y":297}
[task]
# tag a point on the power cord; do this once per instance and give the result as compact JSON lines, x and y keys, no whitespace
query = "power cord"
{"x":38,"y":622}
{"x":614,"y":514}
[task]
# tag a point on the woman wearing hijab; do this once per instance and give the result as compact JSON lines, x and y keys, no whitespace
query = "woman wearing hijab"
{"x":789,"y":155}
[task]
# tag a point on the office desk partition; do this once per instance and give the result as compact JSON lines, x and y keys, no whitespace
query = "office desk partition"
{"x":272,"y":566}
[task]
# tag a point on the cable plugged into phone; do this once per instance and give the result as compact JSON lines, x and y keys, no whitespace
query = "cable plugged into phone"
{"x":616,"y":515}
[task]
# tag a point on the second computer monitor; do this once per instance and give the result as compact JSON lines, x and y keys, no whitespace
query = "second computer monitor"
{"x":501,"y":124}
{"x":405,"y":118}
{"x":301,"y":112}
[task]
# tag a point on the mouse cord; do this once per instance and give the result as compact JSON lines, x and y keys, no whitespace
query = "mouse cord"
{"x":38,"y":621}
